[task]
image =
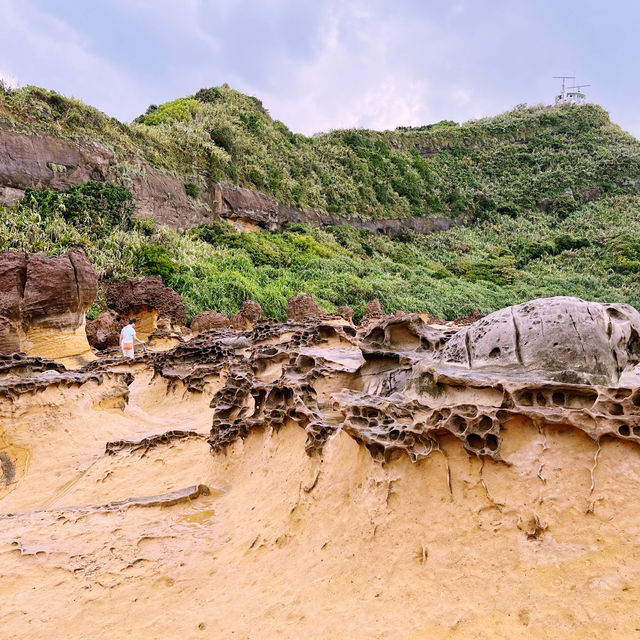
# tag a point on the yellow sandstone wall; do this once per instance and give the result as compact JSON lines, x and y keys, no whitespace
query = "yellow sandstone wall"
{"x":66,"y":345}
{"x":545,"y":545}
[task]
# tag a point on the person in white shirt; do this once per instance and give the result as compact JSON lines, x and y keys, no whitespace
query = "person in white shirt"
{"x":128,"y":337}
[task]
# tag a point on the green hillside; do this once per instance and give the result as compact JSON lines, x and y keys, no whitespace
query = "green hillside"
{"x":507,"y":178}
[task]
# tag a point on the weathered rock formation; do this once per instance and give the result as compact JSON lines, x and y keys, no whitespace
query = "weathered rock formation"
{"x":303,"y":307}
{"x":154,"y":305}
{"x":43,"y":303}
{"x":104,"y":332}
{"x":250,"y":312}
{"x":57,"y":163}
{"x":208,"y":320}
{"x":561,"y":339}
{"x":433,"y":465}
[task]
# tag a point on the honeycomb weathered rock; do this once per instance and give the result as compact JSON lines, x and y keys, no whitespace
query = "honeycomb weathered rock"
{"x":397,"y":384}
{"x":302,"y":307}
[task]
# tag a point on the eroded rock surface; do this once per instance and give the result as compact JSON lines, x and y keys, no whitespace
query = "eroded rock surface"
{"x":104,"y":331}
{"x":154,"y":305}
{"x":302,"y":307}
{"x":398,"y":384}
{"x":563,"y":339}
{"x":185,"y":472}
{"x":43,"y":304}
{"x":209,"y":320}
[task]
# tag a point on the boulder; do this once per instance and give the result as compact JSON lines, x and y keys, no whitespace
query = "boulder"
{"x":561,"y":339}
{"x":301,"y":307}
{"x":346,"y":312}
{"x":249,"y":314}
{"x":154,"y":305}
{"x":251,"y":310}
{"x":373,"y":308}
{"x":209,"y":320}
{"x":43,"y":304}
{"x":104,"y":331}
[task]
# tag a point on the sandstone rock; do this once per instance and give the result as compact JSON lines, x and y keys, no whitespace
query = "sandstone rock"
{"x":44,"y":302}
{"x":10,"y":341}
{"x":249,"y":314}
{"x":104,"y":331}
{"x":563,"y":338}
{"x":373,"y":308}
{"x":302,"y":307}
{"x":251,"y":310}
{"x":209,"y":320}
{"x":346,"y":312}
{"x":49,"y":162}
{"x":148,"y":300}
{"x":560,"y":473}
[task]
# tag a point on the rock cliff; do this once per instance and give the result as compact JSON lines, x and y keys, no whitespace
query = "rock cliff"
{"x":45,"y":161}
{"x":306,"y":468}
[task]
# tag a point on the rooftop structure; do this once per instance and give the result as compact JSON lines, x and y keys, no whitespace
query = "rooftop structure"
{"x":571,"y":94}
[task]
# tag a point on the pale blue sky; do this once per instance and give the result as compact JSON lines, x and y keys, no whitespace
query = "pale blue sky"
{"x":325,"y":64}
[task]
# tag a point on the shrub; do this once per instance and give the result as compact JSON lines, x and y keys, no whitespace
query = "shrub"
{"x":99,"y":207}
{"x":192,"y":189}
{"x":563,"y":206}
{"x":212,"y":95}
{"x":155,"y":260}
{"x":176,"y":111}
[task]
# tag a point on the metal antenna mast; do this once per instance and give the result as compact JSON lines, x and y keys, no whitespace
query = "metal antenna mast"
{"x":564,"y":78}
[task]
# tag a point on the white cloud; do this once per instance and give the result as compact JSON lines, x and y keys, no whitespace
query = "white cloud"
{"x":8,"y":79}
{"x":59,"y":57}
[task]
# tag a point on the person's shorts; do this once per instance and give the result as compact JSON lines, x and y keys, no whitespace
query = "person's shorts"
{"x":127,"y":353}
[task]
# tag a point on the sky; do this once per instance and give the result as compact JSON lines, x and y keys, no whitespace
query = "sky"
{"x":319,"y":65}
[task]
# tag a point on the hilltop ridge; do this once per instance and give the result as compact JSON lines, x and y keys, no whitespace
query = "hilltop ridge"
{"x":505,"y":163}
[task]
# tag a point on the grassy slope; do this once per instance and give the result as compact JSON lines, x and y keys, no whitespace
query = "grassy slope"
{"x":492,"y":172}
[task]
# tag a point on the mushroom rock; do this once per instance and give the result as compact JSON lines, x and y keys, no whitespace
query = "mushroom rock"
{"x":43,"y":304}
{"x":209,"y":320}
{"x":249,"y":314}
{"x":251,"y":310}
{"x":302,"y":307}
{"x":104,"y":331}
{"x":154,"y":305}
{"x":372,"y":311}
{"x":373,"y":308}
{"x":346,"y":312}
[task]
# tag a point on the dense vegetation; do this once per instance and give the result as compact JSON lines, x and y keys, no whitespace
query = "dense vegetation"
{"x":592,"y":252}
{"x":504,"y":164}
{"x":507,"y":177}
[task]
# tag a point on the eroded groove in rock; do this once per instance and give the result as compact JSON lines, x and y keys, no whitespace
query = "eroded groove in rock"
{"x":163,"y":500}
{"x":115,"y":447}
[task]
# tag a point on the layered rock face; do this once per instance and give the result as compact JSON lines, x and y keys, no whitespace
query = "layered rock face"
{"x":49,"y":162}
{"x":317,"y":479}
{"x":43,"y":304}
